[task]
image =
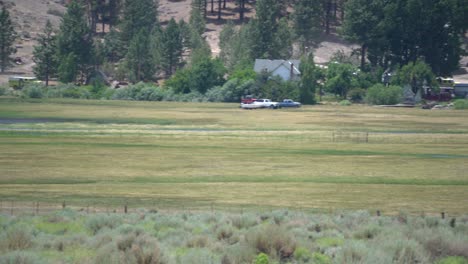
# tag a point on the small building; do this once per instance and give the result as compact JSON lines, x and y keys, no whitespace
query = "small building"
{"x":286,"y":69}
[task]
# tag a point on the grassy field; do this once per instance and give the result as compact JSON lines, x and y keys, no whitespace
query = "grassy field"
{"x":202,"y":155}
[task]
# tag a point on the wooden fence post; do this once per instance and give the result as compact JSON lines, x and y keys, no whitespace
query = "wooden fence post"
{"x":125,"y":208}
{"x":64,"y":205}
{"x":11,"y":208}
{"x":378,"y":212}
{"x":442,"y":215}
{"x":37,"y":208}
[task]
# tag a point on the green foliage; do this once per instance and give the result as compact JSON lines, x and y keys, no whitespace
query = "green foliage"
{"x":319,"y":258}
{"x":3,"y":90}
{"x":340,"y":78}
{"x":372,"y":24}
{"x":231,"y":91}
{"x":453,"y":260}
{"x":7,"y":39}
{"x":345,"y":103}
{"x":307,"y":20}
{"x":269,"y":36}
{"x":179,"y":82}
{"x":206,"y":74}
{"x":138,"y":60}
{"x":416,"y":75}
{"x":243,"y":74}
{"x":235,"y":46}
{"x":75,"y":45}
{"x":171,"y":47}
{"x":309,"y":80}
{"x":272,"y":240}
{"x":302,"y":255}
{"x":461,"y":104}
{"x":262,"y":258}
{"x":33,"y":91}
{"x":45,"y":55}
{"x":138,"y":15}
{"x":356,"y":95}
{"x":381,"y":95}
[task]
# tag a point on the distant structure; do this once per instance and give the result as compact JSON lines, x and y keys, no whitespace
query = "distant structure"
{"x":286,"y":69}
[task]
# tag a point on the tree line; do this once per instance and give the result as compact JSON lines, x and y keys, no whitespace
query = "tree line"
{"x":137,"y":46}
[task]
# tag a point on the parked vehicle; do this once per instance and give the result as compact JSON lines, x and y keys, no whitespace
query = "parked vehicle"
{"x":18,"y":82}
{"x":260,"y":103}
{"x":289,"y":103}
{"x":248,"y":99}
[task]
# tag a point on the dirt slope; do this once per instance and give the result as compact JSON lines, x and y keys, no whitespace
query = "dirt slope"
{"x":30,"y":16}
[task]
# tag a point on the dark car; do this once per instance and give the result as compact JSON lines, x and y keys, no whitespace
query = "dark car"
{"x":289,"y":103}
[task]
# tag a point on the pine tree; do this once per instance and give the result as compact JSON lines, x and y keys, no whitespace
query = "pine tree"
{"x":309,"y":80}
{"x":306,"y":18}
{"x":264,"y":31}
{"x":172,"y":46}
{"x":138,"y":15}
{"x":7,"y":39}
{"x":45,"y":55}
{"x":75,"y":45}
{"x":139,"y":60}
{"x":197,"y":20}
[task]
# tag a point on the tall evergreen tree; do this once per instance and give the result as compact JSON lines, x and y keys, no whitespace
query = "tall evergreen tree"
{"x":7,"y":39}
{"x":75,"y":45}
{"x":197,"y":21}
{"x":138,"y":15}
{"x":45,"y":55}
{"x":138,"y":59}
{"x":172,"y":46}
{"x":361,"y":24}
{"x":306,"y":18}
{"x":309,"y":80}
{"x":264,"y":28}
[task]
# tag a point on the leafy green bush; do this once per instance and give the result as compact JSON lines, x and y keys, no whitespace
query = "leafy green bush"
{"x":33,"y":91}
{"x":3,"y":90}
{"x":319,"y":258}
{"x":381,"y":95}
{"x":453,"y":260}
{"x":302,"y":254}
{"x":262,"y":258}
{"x":461,"y":104}
{"x":345,"y":103}
{"x":356,"y":95}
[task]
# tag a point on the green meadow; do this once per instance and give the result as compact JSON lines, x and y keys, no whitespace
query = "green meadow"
{"x":204,"y":155}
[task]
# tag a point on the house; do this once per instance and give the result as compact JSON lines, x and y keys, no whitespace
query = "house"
{"x":286,"y":69}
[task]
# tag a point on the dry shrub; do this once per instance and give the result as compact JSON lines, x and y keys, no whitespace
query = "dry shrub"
{"x":224,"y":233}
{"x":439,"y":247}
{"x":198,"y":242}
{"x":274,"y":241}
{"x":19,"y":238}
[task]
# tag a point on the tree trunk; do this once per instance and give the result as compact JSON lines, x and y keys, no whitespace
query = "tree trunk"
{"x":219,"y":9}
{"x":212,"y":6}
{"x":328,"y":10}
{"x":224,"y":4}
{"x":363,"y":56}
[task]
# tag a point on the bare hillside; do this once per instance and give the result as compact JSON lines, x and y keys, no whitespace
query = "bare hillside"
{"x":30,"y":16}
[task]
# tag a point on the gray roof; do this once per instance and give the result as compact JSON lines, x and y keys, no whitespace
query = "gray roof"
{"x":272,"y":65}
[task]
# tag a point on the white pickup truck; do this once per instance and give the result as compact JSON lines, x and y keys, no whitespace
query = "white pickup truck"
{"x":260,"y":103}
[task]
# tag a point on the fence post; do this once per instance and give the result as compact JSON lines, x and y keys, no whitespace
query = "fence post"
{"x":378,"y":212}
{"x":37,"y":208}
{"x":11,"y":208}
{"x":442,"y":215}
{"x":125,"y":208}
{"x":64,"y":205}
{"x":367,"y":137}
